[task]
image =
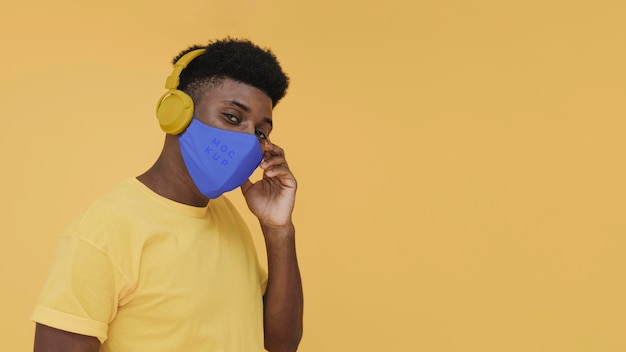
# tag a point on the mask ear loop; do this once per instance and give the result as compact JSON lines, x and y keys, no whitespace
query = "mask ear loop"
{"x":265,"y":150}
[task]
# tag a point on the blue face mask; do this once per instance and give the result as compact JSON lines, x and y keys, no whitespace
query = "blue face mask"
{"x":218,"y":161}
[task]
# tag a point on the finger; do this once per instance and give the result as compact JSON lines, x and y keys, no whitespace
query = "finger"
{"x":273,"y":156}
{"x":285,"y":183}
{"x":271,"y":161}
{"x":282,"y":173}
{"x":273,"y":149}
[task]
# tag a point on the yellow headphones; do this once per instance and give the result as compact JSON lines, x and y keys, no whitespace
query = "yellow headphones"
{"x":175,"y":108}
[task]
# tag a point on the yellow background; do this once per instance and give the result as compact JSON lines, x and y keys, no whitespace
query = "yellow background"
{"x":461,"y":163}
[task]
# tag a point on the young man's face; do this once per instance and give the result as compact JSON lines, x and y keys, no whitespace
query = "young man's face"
{"x":238,"y":107}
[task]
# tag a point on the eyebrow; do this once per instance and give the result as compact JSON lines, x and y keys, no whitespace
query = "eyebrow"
{"x":245,"y":108}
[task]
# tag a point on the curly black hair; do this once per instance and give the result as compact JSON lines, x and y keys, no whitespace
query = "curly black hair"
{"x":237,"y":59}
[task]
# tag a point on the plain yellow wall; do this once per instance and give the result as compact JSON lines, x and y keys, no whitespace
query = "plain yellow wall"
{"x":461,"y":163}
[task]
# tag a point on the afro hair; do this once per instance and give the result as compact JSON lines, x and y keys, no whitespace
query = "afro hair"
{"x":237,"y":59}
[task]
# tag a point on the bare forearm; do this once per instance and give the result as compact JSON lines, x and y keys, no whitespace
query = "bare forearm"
{"x":283,"y":300}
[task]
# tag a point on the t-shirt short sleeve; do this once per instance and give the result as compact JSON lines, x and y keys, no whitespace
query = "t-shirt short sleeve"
{"x":82,"y":291}
{"x":264,"y":277}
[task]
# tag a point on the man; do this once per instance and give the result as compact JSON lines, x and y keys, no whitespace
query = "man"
{"x":163,"y":262}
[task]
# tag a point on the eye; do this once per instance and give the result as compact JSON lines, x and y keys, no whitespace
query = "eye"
{"x":230,"y":118}
{"x":260,"y":134}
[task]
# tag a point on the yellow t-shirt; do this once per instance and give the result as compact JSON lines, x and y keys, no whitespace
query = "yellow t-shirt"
{"x":143,"y":273}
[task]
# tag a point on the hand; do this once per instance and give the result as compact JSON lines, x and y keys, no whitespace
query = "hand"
{"x":272,"y":198}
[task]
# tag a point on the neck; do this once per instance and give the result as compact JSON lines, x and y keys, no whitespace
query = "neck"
{"x":168,"y":177}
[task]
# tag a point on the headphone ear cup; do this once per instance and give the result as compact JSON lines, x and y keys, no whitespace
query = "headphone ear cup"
{"x":174,"y":111}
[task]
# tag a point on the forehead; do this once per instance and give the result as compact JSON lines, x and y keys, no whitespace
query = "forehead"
{"x":228,"y":90}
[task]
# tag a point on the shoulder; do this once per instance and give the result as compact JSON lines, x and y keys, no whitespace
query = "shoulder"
{"x":113,"y":213}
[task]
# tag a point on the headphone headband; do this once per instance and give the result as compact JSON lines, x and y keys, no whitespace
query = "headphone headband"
{"x":175,"y":108}
{"x":174,"y":78}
